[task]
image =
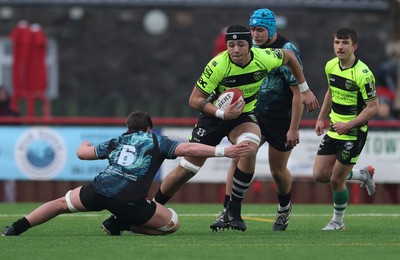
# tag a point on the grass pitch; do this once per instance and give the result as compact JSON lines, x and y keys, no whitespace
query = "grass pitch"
{"x":372,"y":232}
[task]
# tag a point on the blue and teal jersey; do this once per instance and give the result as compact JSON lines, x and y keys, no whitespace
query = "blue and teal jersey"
{"x":134,"y":160}
{"x":275,"y":96}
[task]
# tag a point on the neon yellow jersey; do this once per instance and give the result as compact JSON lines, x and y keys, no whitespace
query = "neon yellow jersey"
{"x":350,"y":89}
{"x":221,"y":74}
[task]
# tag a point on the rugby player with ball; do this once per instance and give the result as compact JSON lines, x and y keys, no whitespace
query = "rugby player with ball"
{"x":239,"y":67}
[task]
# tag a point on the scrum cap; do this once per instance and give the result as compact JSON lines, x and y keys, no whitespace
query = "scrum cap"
{"x":264,"y":18}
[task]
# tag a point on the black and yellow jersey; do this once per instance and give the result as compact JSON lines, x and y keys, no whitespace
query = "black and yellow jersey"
{"x":350,"y":88}
{"x":221,"y":74}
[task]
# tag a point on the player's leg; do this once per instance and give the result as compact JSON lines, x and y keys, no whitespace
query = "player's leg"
{"x":187,"y":168}
{"x":283,"y":182}
{"x":250,"y":133}
{"x":208,"y":130}
{"x":325,"y":160}
{"x":340,"y":195}
{"x":164,"y":221}
{"x":220,"y":222}
{"x":365,"y":176}
{"x":68,"y":204}
{"x":347,"y":155}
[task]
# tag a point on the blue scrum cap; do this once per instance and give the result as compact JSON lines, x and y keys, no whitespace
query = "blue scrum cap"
{"x":264,"y":18}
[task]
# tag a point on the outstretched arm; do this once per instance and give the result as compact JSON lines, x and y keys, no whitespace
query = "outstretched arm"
{"x":202,"y":150}
{"x":86,"y":151}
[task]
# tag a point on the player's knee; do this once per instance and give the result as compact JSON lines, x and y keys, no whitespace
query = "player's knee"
{"x":190,"y":168}
{"x":320,"y":178}
{"x":173,"y":224}
{"x":254,"y":141}
{"x":249,"y":137}
{"x":70,"y":206}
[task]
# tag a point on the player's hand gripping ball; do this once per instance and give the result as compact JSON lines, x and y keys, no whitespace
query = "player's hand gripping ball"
{"x":229,"y":97}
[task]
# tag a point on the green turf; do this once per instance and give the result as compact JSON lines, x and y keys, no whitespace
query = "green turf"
{"x":372,"y":232}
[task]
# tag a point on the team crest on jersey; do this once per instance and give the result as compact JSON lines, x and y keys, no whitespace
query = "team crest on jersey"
{"x":214,"y":63}
{"x":345,"y":155}
{"x":348,"y":145}
{"x":258,"y":75}
{"x":348,"y":84}
{"x":278,"y":53}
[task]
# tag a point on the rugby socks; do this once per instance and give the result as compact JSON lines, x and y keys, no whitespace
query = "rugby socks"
{"x":357,"y":174}
{"x":284,"y":201}
{"x":21,"y":225}
{"x":161,"y":198}
{"x":340,"y":200}
{"x":241,"y":183}
{"x":227,"y":198}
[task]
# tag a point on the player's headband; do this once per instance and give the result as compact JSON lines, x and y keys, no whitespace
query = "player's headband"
{"x":235,"y":36}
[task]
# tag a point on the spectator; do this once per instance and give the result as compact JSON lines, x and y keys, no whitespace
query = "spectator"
{"x":386,"y":85}
{"x":5,"y":108}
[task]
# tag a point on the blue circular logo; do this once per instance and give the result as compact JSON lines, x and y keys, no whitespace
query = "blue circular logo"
{"x":40,"y":153}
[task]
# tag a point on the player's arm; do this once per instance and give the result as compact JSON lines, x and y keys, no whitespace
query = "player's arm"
{"x":308,"y":98}
{"x":295,"y":67}
{"x":370,"y":111}
{"x":291,"y":61}
{"x":202,"y":150}
{"x":199,"y":101}
{"x":323,"y":113}
{"x":86,"y":151}
{"x":292,"y":136}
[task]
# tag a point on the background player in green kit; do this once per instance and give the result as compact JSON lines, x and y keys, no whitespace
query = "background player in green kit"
{"x":351,"y":101}
{"x":238,"y":67}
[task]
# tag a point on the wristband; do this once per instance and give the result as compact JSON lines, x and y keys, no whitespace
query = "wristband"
{"x":303,"y":87}
{"x":219,"y":151}
{"x":219,"y":113}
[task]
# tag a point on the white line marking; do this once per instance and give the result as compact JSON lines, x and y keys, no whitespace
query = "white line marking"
{"x":91,"y":215}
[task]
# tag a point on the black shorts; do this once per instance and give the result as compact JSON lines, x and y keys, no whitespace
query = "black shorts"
{"x":274,"y":130}
{"x":135,"y":213}
{"x":347,"y":152}
{"x":211,"y":130}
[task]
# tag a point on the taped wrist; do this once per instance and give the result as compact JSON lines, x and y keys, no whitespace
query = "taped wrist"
{"x":219,"y":113}
{"x":219,"y":151}
{"x":303,"y":87}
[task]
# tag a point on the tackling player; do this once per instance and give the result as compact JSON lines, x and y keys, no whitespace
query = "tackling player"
{"x":134,"y":159}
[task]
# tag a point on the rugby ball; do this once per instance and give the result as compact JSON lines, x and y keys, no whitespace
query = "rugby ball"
{"x":229,"y":97}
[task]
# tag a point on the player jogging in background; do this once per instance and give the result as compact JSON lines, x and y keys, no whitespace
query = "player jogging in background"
{"x":351,"y":101}
{"x":238,"y":67}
